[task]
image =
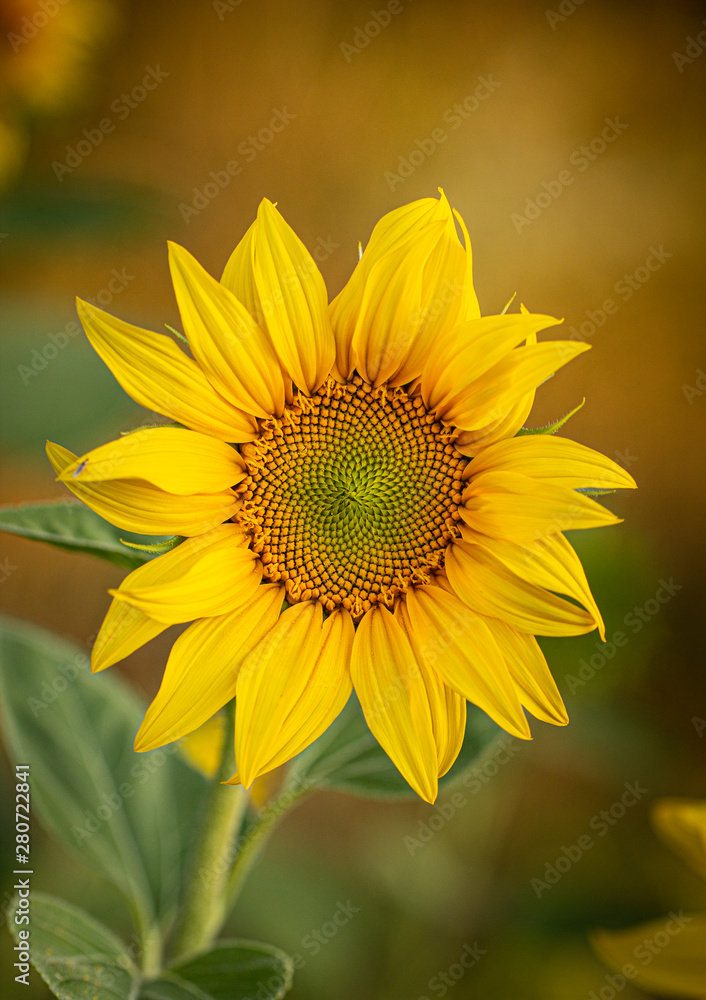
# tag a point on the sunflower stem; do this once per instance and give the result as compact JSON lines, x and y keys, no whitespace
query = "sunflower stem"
{"x":205,"y":906}
{"x":247,"y":850}
{"x":151,"y":962}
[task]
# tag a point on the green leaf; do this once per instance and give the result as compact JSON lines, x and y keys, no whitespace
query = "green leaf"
{"x":155,"y":548}
{"x":348,"y":758}
{"x":128,"y":816}
{"x":233,"y":970}
{"x":177,"y":334}
{"x":73,"y":526}
{"x":551,"y":428}
{"x":77,"y":957}
{"x":81,"y":959}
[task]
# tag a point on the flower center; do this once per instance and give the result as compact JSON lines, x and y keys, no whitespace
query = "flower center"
{"x":352,"y":495}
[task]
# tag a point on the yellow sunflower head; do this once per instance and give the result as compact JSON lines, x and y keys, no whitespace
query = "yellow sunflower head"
{"x":358,"y":509}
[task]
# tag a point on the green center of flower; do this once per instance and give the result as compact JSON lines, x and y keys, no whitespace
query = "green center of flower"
{"x":352,"y":495}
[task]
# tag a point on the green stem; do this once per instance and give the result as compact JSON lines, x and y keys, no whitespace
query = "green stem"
{"x":248,"y":849}
{"x":205,"y":902}
{"x":151,"y":959}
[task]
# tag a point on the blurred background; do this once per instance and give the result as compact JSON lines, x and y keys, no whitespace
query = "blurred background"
{"x":571,"y":139}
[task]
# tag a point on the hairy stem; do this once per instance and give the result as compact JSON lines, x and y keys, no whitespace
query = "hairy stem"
{"x":205,"y":905}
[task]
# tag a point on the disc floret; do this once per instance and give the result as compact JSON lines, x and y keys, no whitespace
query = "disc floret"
{"x":352,"y":495}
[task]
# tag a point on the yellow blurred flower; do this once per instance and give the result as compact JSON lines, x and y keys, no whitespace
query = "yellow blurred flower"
{"x":46,"y":64}
{"x":203,"y":747}
{"x":667,"y":956}
{"x":358,"y":462}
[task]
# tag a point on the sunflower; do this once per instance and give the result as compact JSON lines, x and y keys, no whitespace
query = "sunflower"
{"x":358,"y":510}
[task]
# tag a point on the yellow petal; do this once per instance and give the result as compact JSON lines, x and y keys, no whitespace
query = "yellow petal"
{"x":171,"y":458}
{"x":389,"y":234}
{"x":521,"y":371}
{"x":443,"y":294}
{"x":291,"y":688}
{"x":506,"y":426}
{"x":551,"y":563}
{"x":448,"y":707}
{"x":232,"y":350}
{"x":417,"y":244}
{"x":203,"y":577}
{"x":486,"y":584}
{"x":238,"y":276}
{"x":397,"y":228}
{"x":668,"y":955}
{"x":682,"y":824}
{"x":470,"y":351}
{"x":459,"y":646}
{"x":146,"y":509}
{"x":389,"y":314}
{"x":553,"y":459}
{"x":124,"y":630}
{"x":469,"y":303}
{"x":201,"y":672}
{"x":293,"y":300}
{"x":472,"y":442}
{"x":395,"y":700}
{"x":513,"y":506}
{"x":159,"y":376}
{"x":535,"y":685}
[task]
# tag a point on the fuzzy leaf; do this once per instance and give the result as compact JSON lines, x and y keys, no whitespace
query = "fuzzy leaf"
{"x":233,"y":970}
{"x":73,"y":526}
{"x":128,"y":816}
{"x":76,"y":956}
